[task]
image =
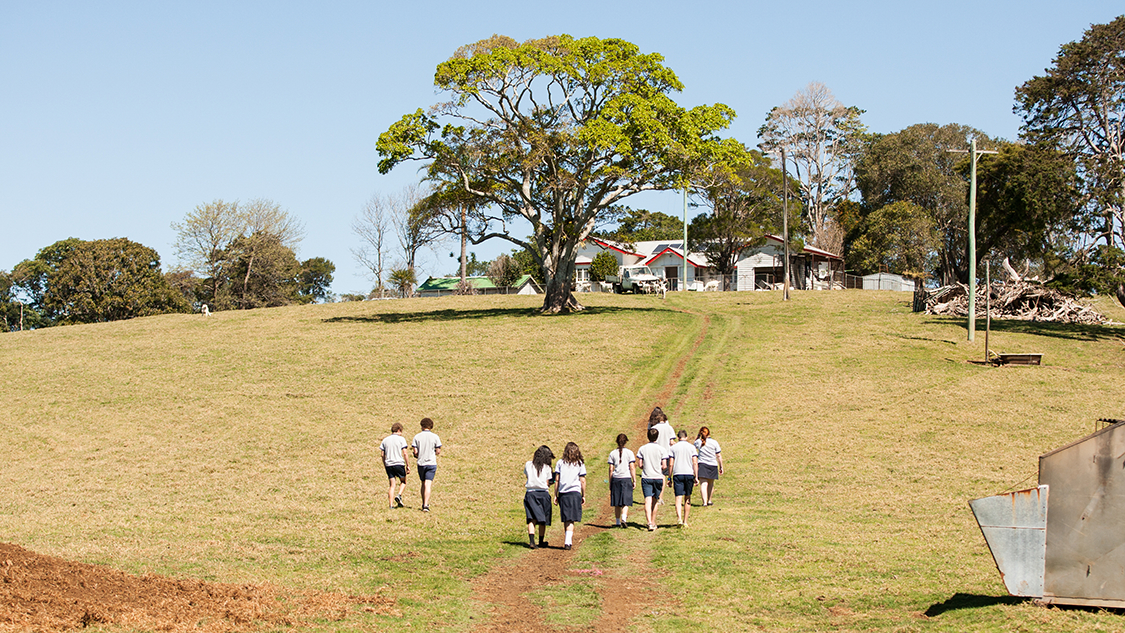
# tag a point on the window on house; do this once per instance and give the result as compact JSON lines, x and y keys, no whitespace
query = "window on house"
{"x":582,"y":274}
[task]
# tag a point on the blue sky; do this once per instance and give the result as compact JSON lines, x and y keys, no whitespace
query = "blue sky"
{"x":117,"y":118}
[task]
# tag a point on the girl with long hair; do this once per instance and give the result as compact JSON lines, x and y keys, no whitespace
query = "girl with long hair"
{"x":710,"y":463}
{"x":622,"y":475}
{"x":570,"y":489}
{"x":537,"y":495}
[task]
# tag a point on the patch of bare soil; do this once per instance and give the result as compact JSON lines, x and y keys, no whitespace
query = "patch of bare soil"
{"x":623,"y":596}
{"x":44,"y":593}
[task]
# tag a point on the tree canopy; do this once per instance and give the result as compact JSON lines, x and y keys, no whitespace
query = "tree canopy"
{"x":557,"y":131}
{"x":76,"y":281}
{"x":898,"y":238}
{"x":1078,"y":106}
{"x":1027,"y":197}
{"x":245,"y":253}
{"x":916,"y":165}
{"x":642,"y":225}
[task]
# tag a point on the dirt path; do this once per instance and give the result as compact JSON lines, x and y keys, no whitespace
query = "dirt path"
{"x":507,"y":587}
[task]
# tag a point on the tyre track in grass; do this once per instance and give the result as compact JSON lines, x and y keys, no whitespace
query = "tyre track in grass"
{"x":624,"y":591}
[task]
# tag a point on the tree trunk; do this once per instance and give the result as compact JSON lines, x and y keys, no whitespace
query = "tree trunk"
{"x":464,"y":242}
{"x":246,"y":280}
{"x":559,"y":291}
{"x":559,"y":297}
{"x":1120,"y":296}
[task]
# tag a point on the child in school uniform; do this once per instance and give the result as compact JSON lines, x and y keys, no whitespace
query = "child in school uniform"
{"x":622,"y":474}
{"x":393,"y":449}
{"x":653,"y":458}
{"x":710,"y":464}
{"x":570,"y":489}
{"x":426,"y":446}
{"x":537,"y":495}
{"x":685,"y":474}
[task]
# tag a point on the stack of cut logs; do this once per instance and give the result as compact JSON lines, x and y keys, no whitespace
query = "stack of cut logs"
{"x":1019,"y":300}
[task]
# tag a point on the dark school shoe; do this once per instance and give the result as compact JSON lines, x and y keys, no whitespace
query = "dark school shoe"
{"x":425,"y":508}
{"x":566,"y":547}
{"x":398,"y":501}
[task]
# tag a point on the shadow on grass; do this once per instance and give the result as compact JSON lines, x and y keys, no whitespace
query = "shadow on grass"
{"x":970,"y":601}
{"x":459,"y":315}
{"x":1070,"y":331}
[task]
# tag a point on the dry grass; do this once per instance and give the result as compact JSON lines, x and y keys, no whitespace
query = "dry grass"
{"x":244,"y":448}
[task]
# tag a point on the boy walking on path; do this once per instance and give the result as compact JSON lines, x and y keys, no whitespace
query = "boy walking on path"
{"x":426,"y":446}
{"x":393,"y":449}
{"x":653,"y":459}
{"x":685,"y":474}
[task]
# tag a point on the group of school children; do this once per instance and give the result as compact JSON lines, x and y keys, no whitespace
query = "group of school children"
{"x":666,"y":455}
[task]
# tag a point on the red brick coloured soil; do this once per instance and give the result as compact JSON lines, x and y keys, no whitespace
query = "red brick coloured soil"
{"x":44,"y":593}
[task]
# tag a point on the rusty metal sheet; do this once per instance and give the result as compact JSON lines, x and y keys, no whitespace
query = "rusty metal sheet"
{"x":1015,"y":527}
{"x":1085,"y":545}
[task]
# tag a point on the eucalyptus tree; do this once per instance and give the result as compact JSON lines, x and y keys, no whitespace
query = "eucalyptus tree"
{"x":821,"y":137}
{"x":642,"y":225}
{"x":556,"y":131}
{"x":383,"y":218}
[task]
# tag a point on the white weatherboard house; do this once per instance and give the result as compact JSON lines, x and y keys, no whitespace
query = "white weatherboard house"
{"x":758,"y":267}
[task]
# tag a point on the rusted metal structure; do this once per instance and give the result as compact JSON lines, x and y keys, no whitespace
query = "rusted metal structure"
{"x":1064,"y":541}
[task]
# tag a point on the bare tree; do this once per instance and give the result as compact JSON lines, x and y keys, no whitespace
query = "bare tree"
{"x":821,"y":136}
{"x":262,"y":215}
{"x":373,"y":225}
{"x":413,"y":230}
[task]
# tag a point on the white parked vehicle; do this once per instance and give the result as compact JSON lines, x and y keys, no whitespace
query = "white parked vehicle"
{"x":635,"y":279}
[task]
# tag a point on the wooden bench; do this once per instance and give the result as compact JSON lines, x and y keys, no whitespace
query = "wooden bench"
{"x":1018,"y":359}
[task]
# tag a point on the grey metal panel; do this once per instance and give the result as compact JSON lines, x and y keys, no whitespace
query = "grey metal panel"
{"x":1015,"y":527}
{"x":1085,"y":550}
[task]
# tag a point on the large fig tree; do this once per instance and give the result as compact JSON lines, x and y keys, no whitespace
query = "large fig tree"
{"x":556,"y":131}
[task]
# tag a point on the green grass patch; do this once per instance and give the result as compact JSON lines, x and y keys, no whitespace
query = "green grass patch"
{"x":573,"y":603}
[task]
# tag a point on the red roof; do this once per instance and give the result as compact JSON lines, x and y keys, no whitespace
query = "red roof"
{"x":674,"y":252}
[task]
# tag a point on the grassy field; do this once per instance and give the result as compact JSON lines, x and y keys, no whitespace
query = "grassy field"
{"x":244,"y":448}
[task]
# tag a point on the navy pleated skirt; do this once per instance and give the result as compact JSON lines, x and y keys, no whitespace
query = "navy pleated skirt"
{"x":537,"y":505}
{"x":570,"y":507}
{"x":620,"y":492}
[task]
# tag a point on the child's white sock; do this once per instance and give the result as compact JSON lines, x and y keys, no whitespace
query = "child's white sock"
{"x":569,"y":538}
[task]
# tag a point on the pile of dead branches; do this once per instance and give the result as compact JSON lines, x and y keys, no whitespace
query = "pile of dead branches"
{"x":1016,"y":300}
